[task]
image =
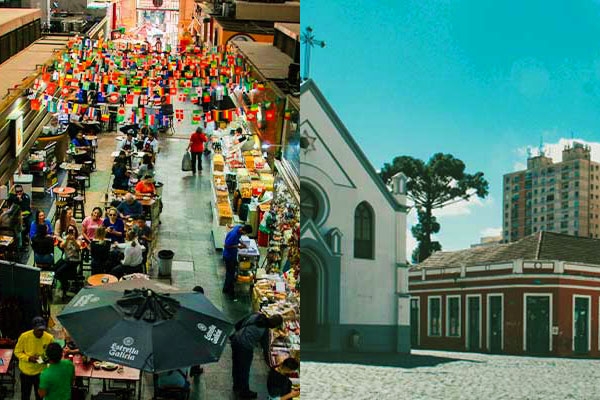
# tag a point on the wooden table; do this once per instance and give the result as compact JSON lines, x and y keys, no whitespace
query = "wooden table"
{"x":81,"y":370}
{"x":65,"y":191}
{"x":123,"y":373}
{"x":96,"y":280}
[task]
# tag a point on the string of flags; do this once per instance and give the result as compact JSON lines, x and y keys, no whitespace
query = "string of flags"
{"x":121,"y":77}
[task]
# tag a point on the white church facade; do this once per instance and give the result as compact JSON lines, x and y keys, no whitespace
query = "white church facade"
{"x":353,"y":241}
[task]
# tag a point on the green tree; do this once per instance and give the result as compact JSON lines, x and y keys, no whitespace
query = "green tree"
{"x":436,"y":184}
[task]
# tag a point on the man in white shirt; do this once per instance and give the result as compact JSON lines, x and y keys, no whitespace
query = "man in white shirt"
{"x":151,"y":144}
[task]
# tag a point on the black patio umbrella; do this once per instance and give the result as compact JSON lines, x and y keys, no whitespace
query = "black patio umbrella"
{"x":146,"y":325}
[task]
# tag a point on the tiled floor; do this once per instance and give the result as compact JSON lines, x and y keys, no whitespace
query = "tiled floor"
{"x":186,"y":230}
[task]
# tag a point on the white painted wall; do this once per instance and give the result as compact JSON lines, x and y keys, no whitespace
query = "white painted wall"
{"x":368,"y":287}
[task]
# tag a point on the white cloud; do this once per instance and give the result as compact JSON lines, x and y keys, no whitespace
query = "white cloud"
{"x":554,"y":150}
{"x":519,"y":166}
{"x":463,"y":207}
{"x":491,"y":232}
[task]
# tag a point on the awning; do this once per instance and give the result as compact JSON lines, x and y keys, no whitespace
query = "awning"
{"x":272,"y":63}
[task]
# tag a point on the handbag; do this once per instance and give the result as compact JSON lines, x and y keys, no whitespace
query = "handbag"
{"x":186,"y":162}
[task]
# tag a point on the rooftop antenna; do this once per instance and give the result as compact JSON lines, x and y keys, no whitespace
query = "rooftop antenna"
{"x":541,"y":148}
{"x":308,"y":38}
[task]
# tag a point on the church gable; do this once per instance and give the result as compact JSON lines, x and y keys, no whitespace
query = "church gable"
{"x":329,"y":147}
{"x":328,"y":164}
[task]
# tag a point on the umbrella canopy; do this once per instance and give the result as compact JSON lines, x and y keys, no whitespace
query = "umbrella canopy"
{"x":146,"y":325}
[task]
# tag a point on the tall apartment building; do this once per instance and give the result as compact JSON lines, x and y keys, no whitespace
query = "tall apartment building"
{"x":559,"y":197}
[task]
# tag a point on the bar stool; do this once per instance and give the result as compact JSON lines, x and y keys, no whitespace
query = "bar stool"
{"x":60,"y":205}
{"x":81,"y":180}
{"x":88,"y":167}
{"x":78,"y":206}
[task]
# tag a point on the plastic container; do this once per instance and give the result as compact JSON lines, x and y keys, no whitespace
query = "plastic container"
{"x":165,"y":262}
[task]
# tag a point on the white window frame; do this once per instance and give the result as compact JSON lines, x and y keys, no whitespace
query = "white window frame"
{"x":550,"y":316}
{"x":448,"y":298}
{"x":418,"y":299}
{"x":589,"y":322}
{"x":429,"y":299}
{"x":489,"y":320}
{"x":468,"y":339}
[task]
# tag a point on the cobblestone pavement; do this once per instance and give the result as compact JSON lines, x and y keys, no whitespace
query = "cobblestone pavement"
{"x":456,"y":376}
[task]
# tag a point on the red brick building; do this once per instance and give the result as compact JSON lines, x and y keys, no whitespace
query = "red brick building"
{"x":539,"y":295}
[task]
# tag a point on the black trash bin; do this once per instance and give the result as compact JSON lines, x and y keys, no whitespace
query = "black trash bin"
{"x":165,"y":262}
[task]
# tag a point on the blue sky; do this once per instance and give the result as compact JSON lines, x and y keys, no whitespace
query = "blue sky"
{"x":482,"y":80}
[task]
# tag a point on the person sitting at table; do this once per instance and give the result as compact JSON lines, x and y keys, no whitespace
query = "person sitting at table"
{"x":100,"y":251}
{"x":130,"y":207}
{"x":81,"y":143}
{"x":72,"y":254}
{"x":133,"y":257}
{"x":145,"y":186}
{"x":115,"y":227}
{"x":42,"y":245}
{"x":144,"y":235}
{"x":120,"y":172}
{"x":91,"y":223}
{"x":147,"y":167}
{"x":65,"y":222}
{"x":174,"y":379}
{"x":11,"y":222}
{"x":144,"y":131}
{"x":40,"y":219}
{"x":57,"y":379}
{"x":279,"y":384}
{"x":22,"y":199}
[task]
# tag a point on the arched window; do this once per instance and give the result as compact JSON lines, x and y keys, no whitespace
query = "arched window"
{"x":309,"y":204}
{"x":364,"y":231}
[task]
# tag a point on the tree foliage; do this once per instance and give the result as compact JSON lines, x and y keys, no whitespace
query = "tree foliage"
{"x":436,"y":184}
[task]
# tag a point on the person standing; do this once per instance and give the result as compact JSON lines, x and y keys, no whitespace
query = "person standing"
{"x":30,"y":347}
{"x":230,"y":251}
{"x":57,"y":379}
{"x":22,"y":199}
{"x":196,"y":147}
{"x":250,"y":332}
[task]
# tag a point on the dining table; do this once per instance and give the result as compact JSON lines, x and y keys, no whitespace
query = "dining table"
{"x":122,"y":373}
{"x":101,"y":279}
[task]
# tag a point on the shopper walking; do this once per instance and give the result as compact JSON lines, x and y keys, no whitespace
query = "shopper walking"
{"x":250,"y":332}
{"x":230,"y":251}
{"x":30,"y":347}
{"x":57,"y":379}
{"x":196,"y":147}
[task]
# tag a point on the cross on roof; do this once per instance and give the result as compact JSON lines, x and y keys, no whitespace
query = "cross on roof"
{"x":308,"y":38}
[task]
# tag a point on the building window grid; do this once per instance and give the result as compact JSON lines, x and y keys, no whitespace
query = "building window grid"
{"x":434,"y":315}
